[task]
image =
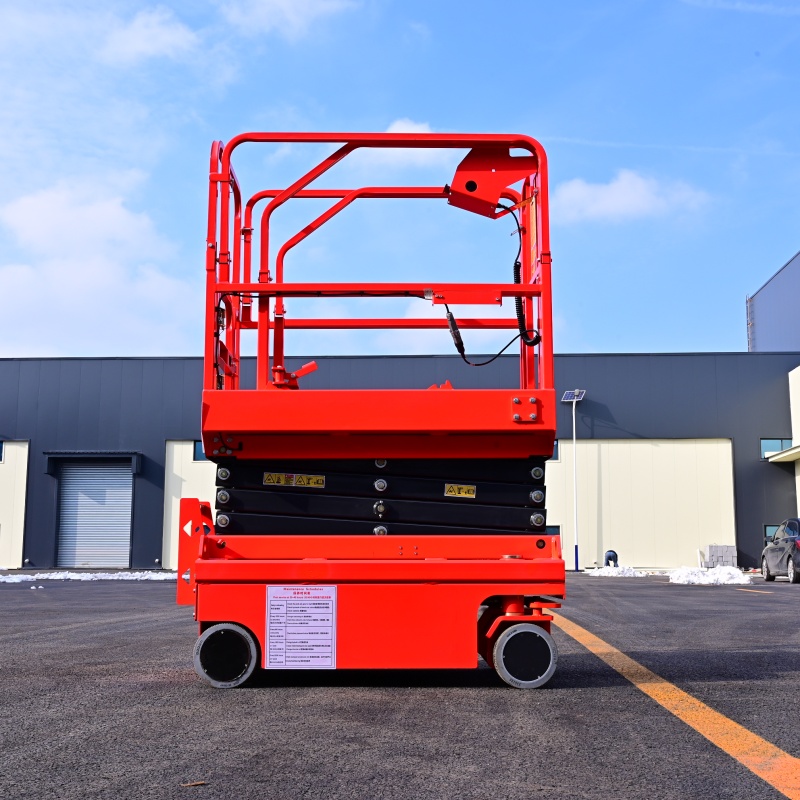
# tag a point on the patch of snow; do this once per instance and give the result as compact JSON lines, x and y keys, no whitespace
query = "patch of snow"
{"x":717,"y":576}
{"x":90,"y":576}
{"x":615,"y":572}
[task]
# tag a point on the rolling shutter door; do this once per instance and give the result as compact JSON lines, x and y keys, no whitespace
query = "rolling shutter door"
{"x":95,"y":503}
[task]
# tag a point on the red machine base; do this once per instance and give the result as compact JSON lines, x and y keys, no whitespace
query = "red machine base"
{"x":406,"y":605}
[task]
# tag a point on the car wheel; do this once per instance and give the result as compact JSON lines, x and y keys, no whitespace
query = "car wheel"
{"x":792,"y":573}
{"x":768,"y":576}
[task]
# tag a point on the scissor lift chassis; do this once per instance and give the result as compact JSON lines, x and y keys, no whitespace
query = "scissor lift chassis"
{"x":373,"y":529}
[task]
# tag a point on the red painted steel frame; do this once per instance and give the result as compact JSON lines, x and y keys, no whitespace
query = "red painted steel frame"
{"x":403,"y":601}
{"x":235,"y":420}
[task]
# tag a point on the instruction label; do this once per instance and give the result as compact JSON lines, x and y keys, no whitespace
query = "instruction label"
{"x":301,"y":627}
{"x":288,"y":479}
{"x":459,"y":490}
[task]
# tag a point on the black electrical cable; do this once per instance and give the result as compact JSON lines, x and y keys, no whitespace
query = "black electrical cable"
{"x":530,"y":341}
{"x":459,"y":343}
{"x":519,"y":230}
{"x":524,"y":332}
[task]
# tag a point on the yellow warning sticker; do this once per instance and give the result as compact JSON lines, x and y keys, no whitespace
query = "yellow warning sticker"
{"x":459,"y":490}
{"x":289,"y":479}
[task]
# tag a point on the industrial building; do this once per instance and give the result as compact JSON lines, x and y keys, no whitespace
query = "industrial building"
{"x":674,"y":451}
{"x":771,"y":309}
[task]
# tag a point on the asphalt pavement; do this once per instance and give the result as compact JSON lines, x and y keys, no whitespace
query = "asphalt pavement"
{"x":98,"y":699}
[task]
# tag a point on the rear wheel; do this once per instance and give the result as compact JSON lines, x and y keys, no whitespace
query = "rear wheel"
{"x":525,"y":656}
{"x":225,"y":655}
{"x":768,"y":576}
{"x":792,"y":572}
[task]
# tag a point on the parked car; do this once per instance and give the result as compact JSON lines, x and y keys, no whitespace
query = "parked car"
{"x":781,"y":556}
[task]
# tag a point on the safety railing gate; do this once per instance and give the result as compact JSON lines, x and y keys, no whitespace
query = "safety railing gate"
{"x":247,"y":290}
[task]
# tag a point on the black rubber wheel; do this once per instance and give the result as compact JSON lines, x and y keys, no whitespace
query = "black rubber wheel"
{"x":768,"y":576}
{"x":525,"y":656}
{"x":225,"y":655}
{"x":792,"y":573}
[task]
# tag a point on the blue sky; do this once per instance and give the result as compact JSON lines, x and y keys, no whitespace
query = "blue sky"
{"x":671,"y":128}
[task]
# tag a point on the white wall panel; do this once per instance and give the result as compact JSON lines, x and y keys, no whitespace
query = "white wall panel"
{"x":794,"y":402}
{"x":654,"y":501}
{"x":184,"y":477}
{"x":13,"y":485}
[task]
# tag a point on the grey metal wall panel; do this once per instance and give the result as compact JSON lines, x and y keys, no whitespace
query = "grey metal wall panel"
{"x":737,"y":396}
{"x":94,"y":519}
{"x":109,"y":419}
{"x":137,"y":404}
{"x":74,"y":404}
{"x":407,"y":372}
{"x":773,"y":311}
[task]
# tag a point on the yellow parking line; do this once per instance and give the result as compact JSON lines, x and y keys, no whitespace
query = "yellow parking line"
{"x":755,"y":591}
{"x":779,"y":769}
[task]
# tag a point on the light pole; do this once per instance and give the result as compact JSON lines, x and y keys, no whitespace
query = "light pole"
{"x":574,"y":396}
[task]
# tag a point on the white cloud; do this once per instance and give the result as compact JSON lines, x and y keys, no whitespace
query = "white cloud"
{"x":72,"y":218}
{"x":420,"y":30}
{"x":64,"y":112}
{"x":289,"y":18}
{"x":628,"y":196}
{"x":91,"y":279}
{"x":152,"y":33}
{"x":444,"y":159}
{"x":406,"y":125}
{"x":747,"y":8}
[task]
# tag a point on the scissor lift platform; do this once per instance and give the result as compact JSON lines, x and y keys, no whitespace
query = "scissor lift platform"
{"x":373,"y":528}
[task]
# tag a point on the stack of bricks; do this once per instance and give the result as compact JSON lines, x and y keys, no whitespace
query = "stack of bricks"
{"x":720,"y":555}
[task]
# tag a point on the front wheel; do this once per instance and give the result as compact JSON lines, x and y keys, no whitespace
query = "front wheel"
{"x":225,"y":655}
{"x":792,"y":573}
{"x":768,"y":576}
{"x":525,"y":656}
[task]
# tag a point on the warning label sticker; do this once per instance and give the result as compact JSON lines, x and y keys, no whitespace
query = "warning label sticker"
{"x":459,"y":490}
{"x":301,"y":627}
{"x":288,"y":479}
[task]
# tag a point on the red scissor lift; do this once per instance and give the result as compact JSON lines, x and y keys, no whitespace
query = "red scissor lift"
{"x":373,"y":528}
